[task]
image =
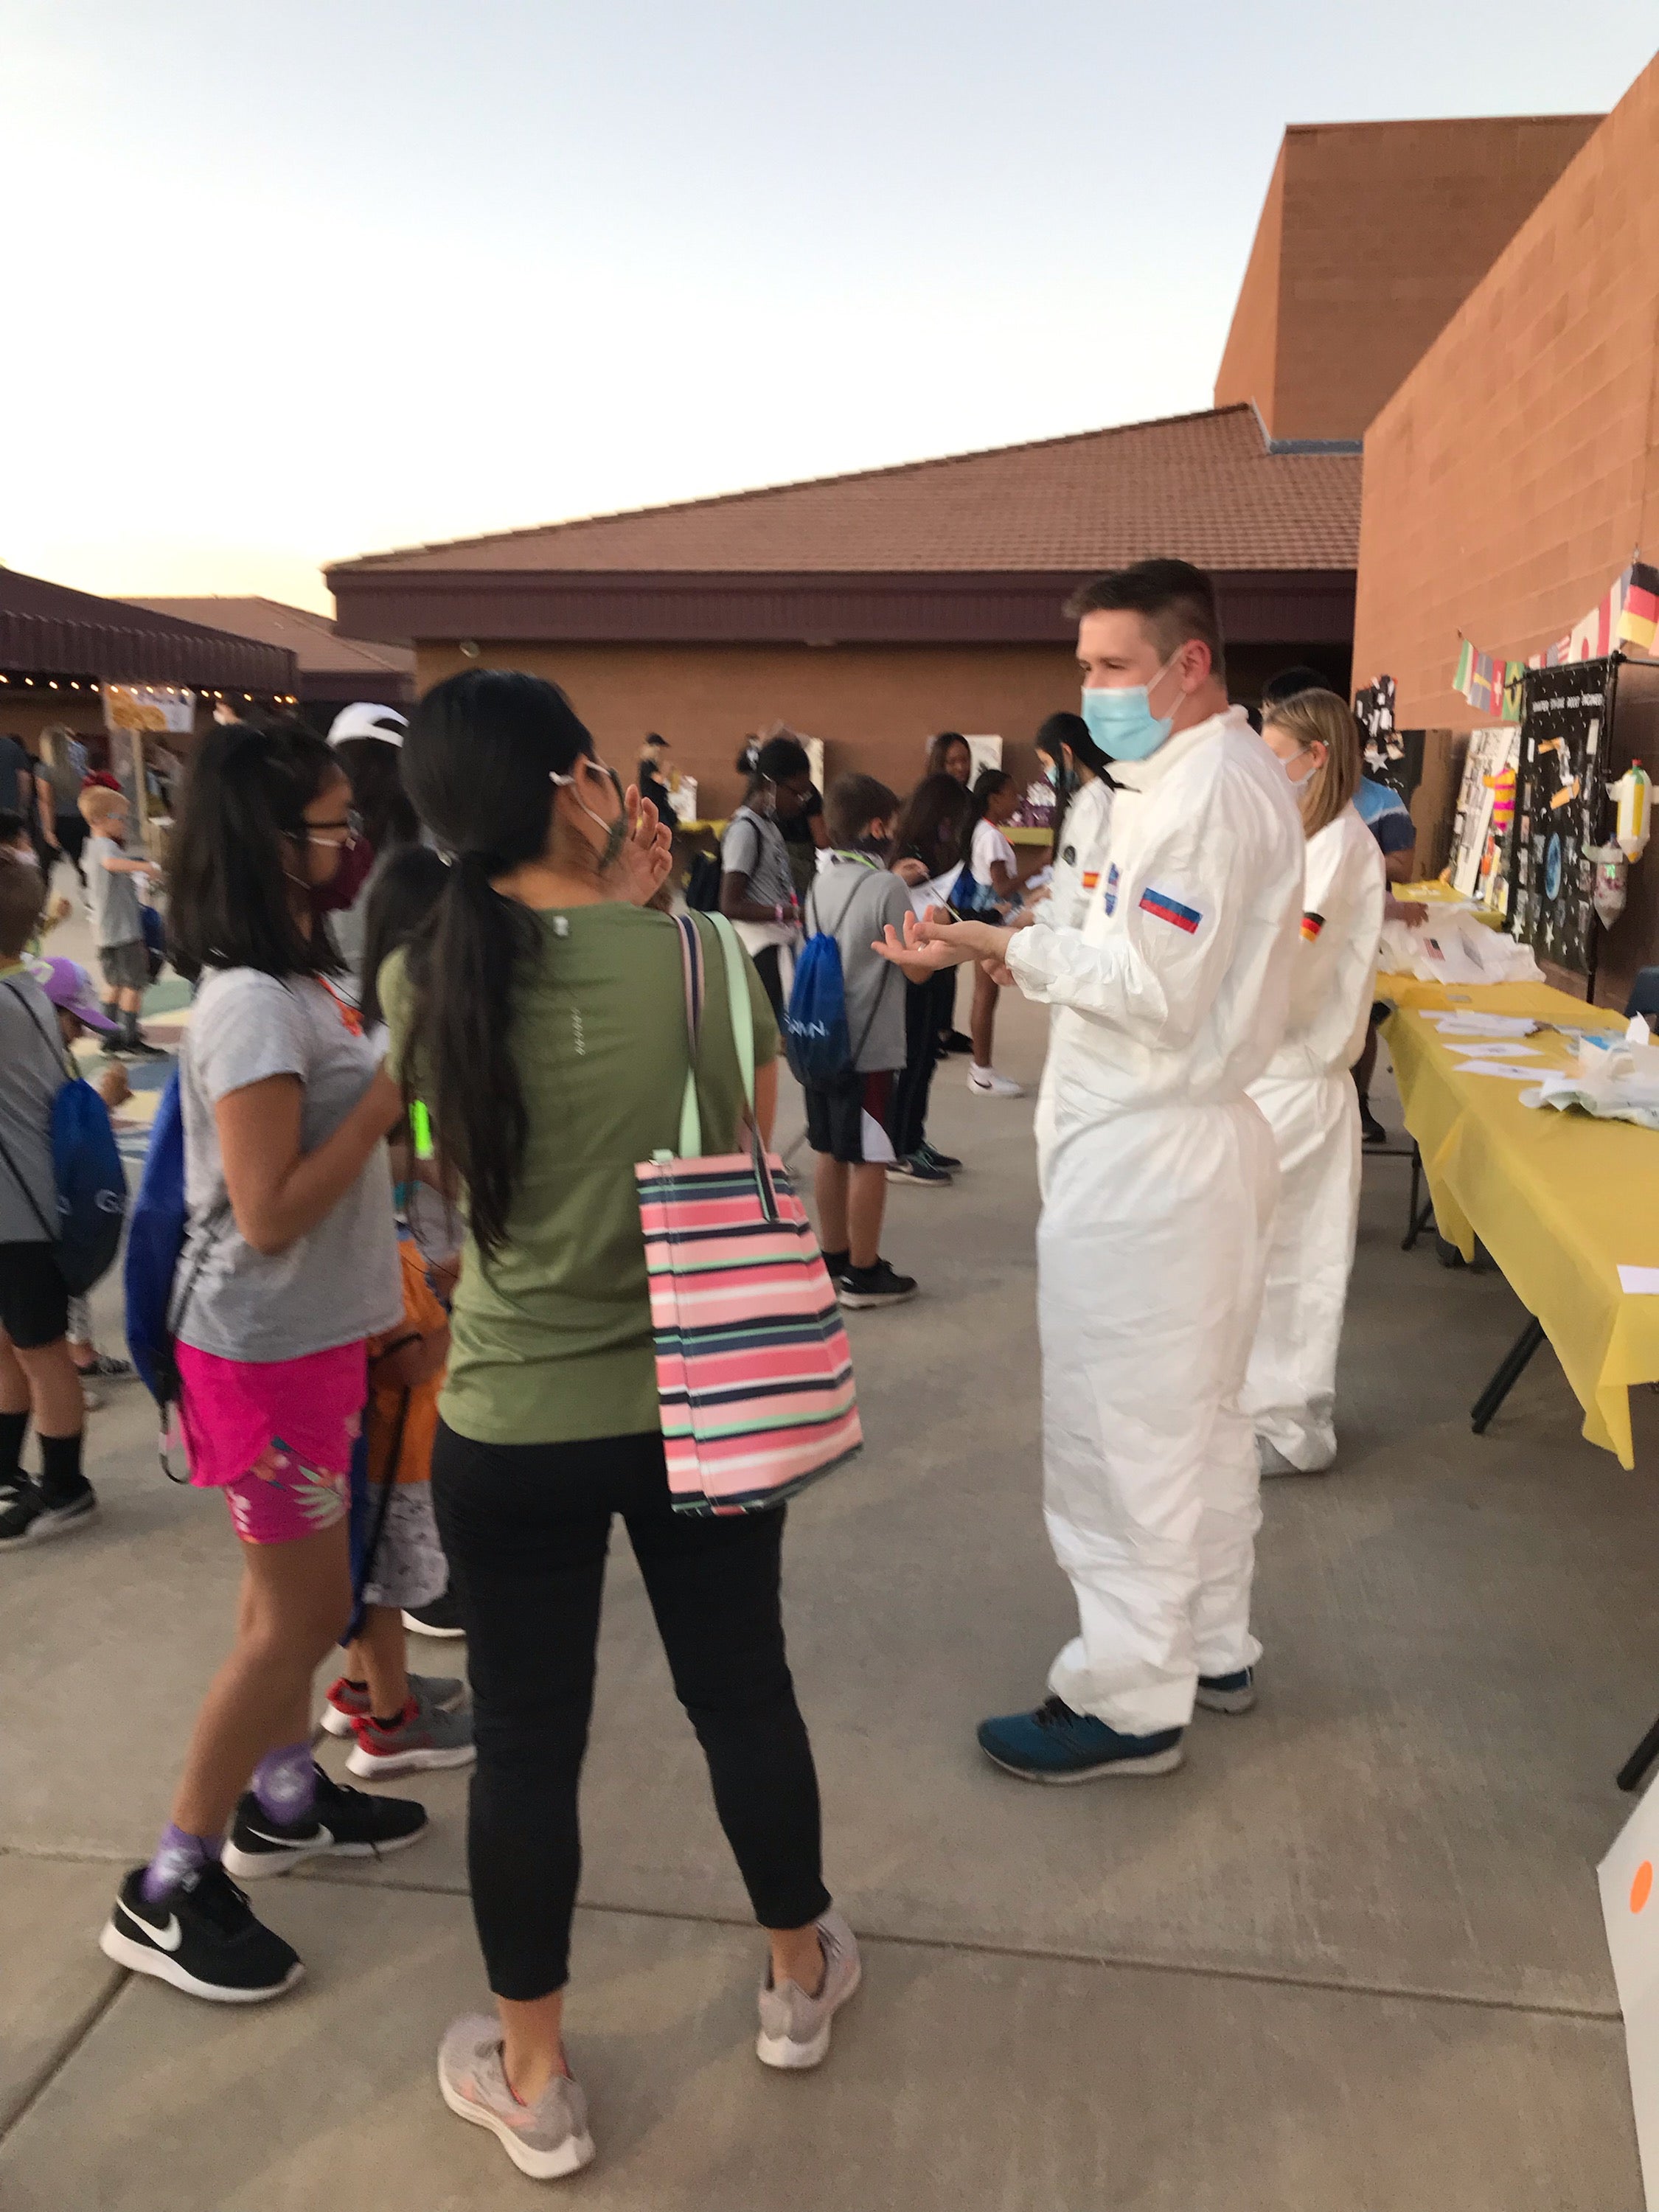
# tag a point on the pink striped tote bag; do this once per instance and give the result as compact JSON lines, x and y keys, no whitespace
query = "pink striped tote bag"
{"x":753,"y":1372}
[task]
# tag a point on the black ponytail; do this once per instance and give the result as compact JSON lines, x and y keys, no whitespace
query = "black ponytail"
{"x":478,"y":762}
{"x":1071,"y":730}
{"x":989,"y":782}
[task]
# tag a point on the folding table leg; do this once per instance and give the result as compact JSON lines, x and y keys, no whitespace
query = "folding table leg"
{"x":1419,"y":1216}
{"x":1631,"y":1773}
{"x":1510,"y":1369}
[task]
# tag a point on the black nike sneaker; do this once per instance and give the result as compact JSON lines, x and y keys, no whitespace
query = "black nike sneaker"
{"x":343,"y":1823}
{"x":202,"y":1937}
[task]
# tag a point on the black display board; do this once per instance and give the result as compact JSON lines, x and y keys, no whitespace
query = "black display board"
{"x":1566,"y":721}
{"x":1391,"y":755}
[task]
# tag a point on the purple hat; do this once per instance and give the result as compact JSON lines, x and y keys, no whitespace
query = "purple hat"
{"x":67,"y":985}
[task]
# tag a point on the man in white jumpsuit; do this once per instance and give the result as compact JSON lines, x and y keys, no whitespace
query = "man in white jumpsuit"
{"x":1158,"y":1180}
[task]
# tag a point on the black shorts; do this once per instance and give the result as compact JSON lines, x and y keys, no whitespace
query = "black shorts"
{"x":34,"y":1301}
{"x":126,"y":967}
{"x":849,"y":1119}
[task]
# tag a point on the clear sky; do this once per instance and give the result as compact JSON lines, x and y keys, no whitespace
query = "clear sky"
{"x":292,"y":281}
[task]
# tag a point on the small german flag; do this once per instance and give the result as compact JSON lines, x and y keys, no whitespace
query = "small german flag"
{"x":1311,"y":926}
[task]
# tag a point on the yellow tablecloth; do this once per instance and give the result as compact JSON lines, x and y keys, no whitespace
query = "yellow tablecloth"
{"x":1561,"y":1200}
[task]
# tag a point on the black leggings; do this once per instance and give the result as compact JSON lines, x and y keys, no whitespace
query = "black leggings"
{"x":525,"y":1527}
{"x":771,"y":976}
{"x":908,"y":1125}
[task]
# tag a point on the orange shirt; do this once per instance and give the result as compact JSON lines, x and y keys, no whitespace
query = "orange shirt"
{"x":422,"y":1312}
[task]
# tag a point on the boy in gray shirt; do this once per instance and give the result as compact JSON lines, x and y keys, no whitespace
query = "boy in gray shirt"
{"x":118,"y":928}
{"x":853,"y":898}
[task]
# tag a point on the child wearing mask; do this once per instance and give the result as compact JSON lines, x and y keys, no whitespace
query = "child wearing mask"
{"x":403,"y":1723}
{"x":995,"y":873}
{"x":848,"y":1122}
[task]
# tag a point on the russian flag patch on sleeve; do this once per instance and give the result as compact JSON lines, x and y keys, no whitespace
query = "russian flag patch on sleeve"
{"x":1170,"y":909}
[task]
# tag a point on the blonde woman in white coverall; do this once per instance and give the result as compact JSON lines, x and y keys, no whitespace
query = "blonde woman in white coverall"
{"x":1308,"y":1095}
{"x":1158,"y":1180}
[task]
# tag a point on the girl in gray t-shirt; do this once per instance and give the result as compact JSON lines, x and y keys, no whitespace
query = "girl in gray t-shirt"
{"x":289,"y":1264}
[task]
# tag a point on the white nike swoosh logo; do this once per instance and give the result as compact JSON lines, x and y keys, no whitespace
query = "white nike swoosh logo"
{"x":323,"y":1838}
{"x":169,"y":1937}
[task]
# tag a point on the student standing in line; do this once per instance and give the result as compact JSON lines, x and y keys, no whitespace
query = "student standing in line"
{"x":113,"y":878}
{"x":950,"y":754}
{"x":37,"y":1375}
{"x":541,"y":1022}
{"x":1289,"y":1391}
{"x":926,"y":849}
{"x":995,"y":873}
{"x":289,"y":1264}
{"x":849,"y":1121}
{"x":757,"y":885}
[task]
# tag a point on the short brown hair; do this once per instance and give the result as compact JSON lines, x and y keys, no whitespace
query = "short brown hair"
{"x":1176,"y":601}
{"x":1320,"y":718}
{"x":22,"y":902}
{"x":853,"y":802}
{"x":101,"y":802}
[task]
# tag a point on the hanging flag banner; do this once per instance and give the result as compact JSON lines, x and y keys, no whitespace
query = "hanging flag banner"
{"x":1628,"y":616}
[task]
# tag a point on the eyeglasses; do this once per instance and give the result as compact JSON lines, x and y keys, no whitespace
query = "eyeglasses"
{"x":346,"y":831}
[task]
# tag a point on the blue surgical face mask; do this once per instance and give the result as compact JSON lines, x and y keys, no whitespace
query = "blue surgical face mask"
{"x":1122,"y":723}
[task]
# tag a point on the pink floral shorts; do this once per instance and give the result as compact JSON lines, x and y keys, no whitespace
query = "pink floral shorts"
{"x":280,"y":1498}
{"x":276,"y":1436}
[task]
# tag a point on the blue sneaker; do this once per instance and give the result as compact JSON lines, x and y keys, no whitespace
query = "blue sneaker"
{"x":1228,"y":1693}
{"x":1055,"y":1744}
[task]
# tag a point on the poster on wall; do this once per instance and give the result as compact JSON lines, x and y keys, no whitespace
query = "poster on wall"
{"x":1486,"y":804}
{"x":1566,"y":718}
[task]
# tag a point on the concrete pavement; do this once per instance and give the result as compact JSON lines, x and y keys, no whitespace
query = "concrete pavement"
{"x":1350,"y":1955}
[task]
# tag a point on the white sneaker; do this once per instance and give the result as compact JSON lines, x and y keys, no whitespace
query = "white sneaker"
{"x":794,"y":2028}
{"x":989,"y":1084}
{"x":1271,"y":1460}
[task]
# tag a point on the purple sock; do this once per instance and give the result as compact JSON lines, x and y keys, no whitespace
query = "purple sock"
{"x":178,"y":1856}
{"x":285,"y":1782}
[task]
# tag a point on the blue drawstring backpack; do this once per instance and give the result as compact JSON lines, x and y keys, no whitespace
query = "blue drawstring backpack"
{"x":816,"y":1037}
{"x":154,"y":1241}
{"x":92,"y":1184}
{"x":817,"y":1042}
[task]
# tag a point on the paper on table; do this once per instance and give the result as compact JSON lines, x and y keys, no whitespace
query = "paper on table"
{"x":1495,"y":1048}
{"x":1639,"y":1282}
{"x":1479,"y":1024}
{"x":1498,"y":1067}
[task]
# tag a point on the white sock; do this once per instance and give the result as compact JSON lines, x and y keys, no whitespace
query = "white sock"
{"x":980,"y":1071}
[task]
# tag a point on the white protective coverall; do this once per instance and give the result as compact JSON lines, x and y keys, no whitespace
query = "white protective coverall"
{"x":1078,"y":865}
{"x":1158,"y":1180}
{"x":1308,"y":1098}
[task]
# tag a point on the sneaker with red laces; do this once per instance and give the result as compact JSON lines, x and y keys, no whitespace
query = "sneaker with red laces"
{"x":420,"y":1737}
{"x":348,"y":1703}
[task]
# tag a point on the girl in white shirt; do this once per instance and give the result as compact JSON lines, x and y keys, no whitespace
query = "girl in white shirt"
{"x":1308,"y":1095}
{"x":995,"y":874}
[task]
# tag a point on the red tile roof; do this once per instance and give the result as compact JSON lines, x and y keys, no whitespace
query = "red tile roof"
{"x":1204,"y":488}
{"x":312,"y":638}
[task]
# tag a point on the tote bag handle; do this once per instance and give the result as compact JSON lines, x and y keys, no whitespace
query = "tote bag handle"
{"x":741,"y":1015}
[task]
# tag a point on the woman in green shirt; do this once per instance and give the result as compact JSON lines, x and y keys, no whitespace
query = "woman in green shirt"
{"x":542,"y":1019}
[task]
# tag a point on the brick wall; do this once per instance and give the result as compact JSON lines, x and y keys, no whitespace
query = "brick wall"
{"x":1372,"y":236}
{"x":875,"y":707}
{"x":1512,"y":475}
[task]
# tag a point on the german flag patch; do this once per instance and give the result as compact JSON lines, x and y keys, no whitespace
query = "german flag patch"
{"x":1311,"y":926}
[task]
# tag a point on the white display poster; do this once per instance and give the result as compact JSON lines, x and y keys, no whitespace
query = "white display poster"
{"x":1630,"y":1912}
